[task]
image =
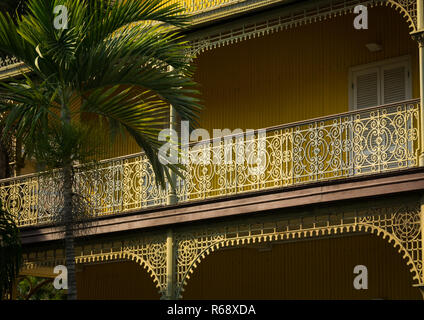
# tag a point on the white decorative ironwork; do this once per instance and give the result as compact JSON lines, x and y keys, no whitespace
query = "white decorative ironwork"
{"x":288,"y":19}
{"x":8,"y":61}
{"x":148,"y":251}
{"x":201,"y":6}
{"x":396,"y":220}
{"x":399,"y":225}
{"x":355,"y":143}
{"x":409,"y":10}
{"x":314,"y":11}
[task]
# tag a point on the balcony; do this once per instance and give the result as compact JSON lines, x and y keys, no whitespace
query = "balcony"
{"x":201,"y":11}
{"x":364,"y":142}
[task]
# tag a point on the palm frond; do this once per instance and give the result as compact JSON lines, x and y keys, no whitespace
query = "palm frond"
{"x":10,"y":251}
{"x":113,"y":59}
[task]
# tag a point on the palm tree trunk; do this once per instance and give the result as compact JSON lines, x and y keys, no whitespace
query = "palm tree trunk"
{"x":68,"y":209}
{"x":4,"y":162}
{"x":69,"y":231}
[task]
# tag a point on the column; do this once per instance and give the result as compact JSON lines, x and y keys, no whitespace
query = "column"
{"x":170,"y":266}
{"x":422,"y":290}
{"x":418,"y":36}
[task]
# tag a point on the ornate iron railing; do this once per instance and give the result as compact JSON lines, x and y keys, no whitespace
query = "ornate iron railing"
{"x":350,"y":144}
{"x":345,"y":145}
{"x":7,"y":61}
{"x":199,"y":6}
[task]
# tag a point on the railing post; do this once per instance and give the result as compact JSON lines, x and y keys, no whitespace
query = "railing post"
{"x":292,"y":155}
{"x":172,"y":195}
{"x":419,"y":37}
{"x":421,"y":64}
{"x":234,"y":150}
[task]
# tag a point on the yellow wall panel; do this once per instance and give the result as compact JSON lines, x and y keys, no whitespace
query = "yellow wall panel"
{"x":295,"y":74}
{"x":306,"y":269}
{"x":312,"y":269}
{"x":115,"y":280}
{"x":287,"y":76}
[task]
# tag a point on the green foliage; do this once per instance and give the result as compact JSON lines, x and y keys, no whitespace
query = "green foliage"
{"x":10,"y":251}
{"x":112,"y":62}
{"x":56,"y":144}
{"x":36,"y":288}
{"x":13,"y":7}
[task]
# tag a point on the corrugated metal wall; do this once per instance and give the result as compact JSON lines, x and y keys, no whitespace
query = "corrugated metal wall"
{"x":288,"y":76}
{"x":116,"y":280}
{"x":306,"y":269}
{"x":317,"y":269}
{"x":296,"y":74}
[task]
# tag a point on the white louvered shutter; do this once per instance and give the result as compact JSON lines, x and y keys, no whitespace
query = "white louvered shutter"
{"x":366,"y":88}
{"x":396,"y":87}
{"x":395,"y":83}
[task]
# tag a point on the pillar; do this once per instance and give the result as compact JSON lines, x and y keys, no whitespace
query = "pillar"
{"x":170,"y":267}
{"x":422,"y":290}
{"x":172,"y":195}
{"x":419,"y":37}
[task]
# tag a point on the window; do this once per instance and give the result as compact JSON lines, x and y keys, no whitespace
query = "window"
{"x":375,"y":84}
{"x":380,"y":83}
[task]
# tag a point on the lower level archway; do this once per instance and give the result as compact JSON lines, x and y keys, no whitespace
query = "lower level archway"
{"x":305,"y":269}
{"x":114,"y":281}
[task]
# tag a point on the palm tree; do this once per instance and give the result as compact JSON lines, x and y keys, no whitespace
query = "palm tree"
{"x":10,"y":246}
{"x":113,"y":61}
{"x":10,"y":252}
{"x":13,"y":7}
{"x":36,"y":288}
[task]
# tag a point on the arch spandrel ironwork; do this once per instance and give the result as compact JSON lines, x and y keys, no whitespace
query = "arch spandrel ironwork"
{"x":10,"y":66}
{"x":318,"y":11}
{"x":147,"y":251}
{"x":408,"y":9}
{"x":399,"y":225}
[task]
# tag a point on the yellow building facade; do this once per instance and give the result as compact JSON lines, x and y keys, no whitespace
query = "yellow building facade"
{"x":336,"y":179}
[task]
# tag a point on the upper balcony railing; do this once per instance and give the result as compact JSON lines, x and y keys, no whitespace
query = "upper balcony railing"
{"x":201,"y":6}
{"x":363,"y":142}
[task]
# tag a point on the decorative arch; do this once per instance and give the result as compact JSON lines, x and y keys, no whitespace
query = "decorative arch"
{"x":292,"y":19}
{"x":398,"y":222}
{"x":400,"y":226}
{"x":415,"y":266}
{"x":408,"y":8}
{"x":125,"y":256}
{"x":147,"y":251}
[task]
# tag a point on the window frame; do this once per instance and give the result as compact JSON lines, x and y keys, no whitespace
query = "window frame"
{"x":380,"y":65}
